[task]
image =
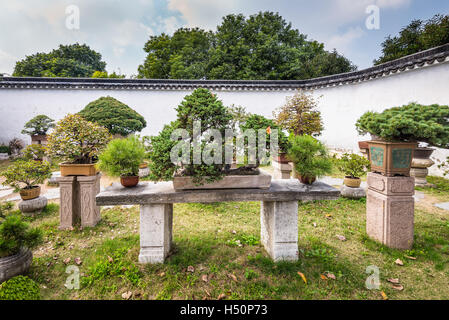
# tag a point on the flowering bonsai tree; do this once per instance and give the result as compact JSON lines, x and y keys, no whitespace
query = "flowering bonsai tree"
{"x":39,"y":125}
{"x":412,"y":122}
{"x":34,"y":152}
{"x":77,"y":140}
{"x":23,"y":174}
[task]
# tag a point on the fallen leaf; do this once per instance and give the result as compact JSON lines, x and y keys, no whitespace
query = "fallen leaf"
{"x":78,"y":261}
{"x":233,"y":277}
{"x":384,"y":296}
{"x":127,"y":295}
{"x":66,"y":261}
{"x":55,"y":258}
{"x":303,"y":277}
{"x":234,"y":232}
{"x":204,"y":277}
{"x":190,"y":269}
{"x":221,"y":296}
{"x":411,"y":258}
{"x":331,"y":276}
{"x":162,"y":274}
{"x":110,"y":259}
{"x":398,"y":287}
{"x":393,"y":280}
{"x":207,"y":292}
{"x":323,"y":277}
{"x":341,"y":238}
{"x":399,"y":262}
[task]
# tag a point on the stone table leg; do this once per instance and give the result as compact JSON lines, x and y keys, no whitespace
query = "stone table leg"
{"x":156,"y":223}
{"x":89,"y":187}
{"x":69,"y":204}
{"x":279,"y":229}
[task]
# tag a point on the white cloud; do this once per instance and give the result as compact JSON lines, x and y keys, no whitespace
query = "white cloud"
{"x":342,"y":41}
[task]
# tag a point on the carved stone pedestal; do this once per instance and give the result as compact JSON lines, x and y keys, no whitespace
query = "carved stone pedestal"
{"x":78,"y":201}
{"x":281,"y":170}
{"x":390,"y":210}
{"x":420,"y":170}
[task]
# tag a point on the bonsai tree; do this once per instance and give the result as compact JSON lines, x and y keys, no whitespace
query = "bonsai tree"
{"x":310,"y":157}
{"x":34,"y":152}
{"x":22,"y":174}
{"x":16,"y":235}
{"x":122,"y":157}
{"x":77,"y":140}
{"x":298,"y":115}
{"x":412,"y":122}
{"x":353,"y":165}
{"x":39,"y":125}
{"x":114,"y":115}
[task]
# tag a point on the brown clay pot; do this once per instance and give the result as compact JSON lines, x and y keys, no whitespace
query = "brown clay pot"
{"x":28,"y":194}
{"x":306,"y":179}
{"x":423,"y":153}
{"x":129,"y":181}
{"x":75,"y":169}
{"x":282,"y":158}
{"x":352,"y":182}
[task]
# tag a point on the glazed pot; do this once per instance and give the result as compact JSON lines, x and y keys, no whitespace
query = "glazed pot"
{"x":391,"y":158}
{"x":75,"y":169}
{"x":28,"y":194}
{"x":352,"y":182}
{"x":14,"y":265}
{"x":129,"y":181}
{"x":306,"y":179}
{"x":39,"y":138}
{"x":423,"y":153}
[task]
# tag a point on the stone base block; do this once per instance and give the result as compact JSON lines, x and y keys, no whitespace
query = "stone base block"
{"x":144,"y":172}
{"x":156,"y":225}
{"x":33,"y":206}
{"x":390,"y":210}
{"x":281,"y":170}
{"x":352,"y":193}
{"x":279,"y":229}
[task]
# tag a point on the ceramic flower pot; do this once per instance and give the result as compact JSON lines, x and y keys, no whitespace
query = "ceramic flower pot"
{"x":391,"y":158}
{"x":306,"y":179}
{"x":282,"y":158}
{"x":352,"y":182}
{"x":129,"y":181}
{"x":75,"y":169}
{"x":28,"y":194}
{"x":15,"y":265}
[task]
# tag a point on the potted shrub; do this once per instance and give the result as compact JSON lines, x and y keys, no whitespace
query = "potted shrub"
{"x":310,"y":158}
{"x":16,"y":241}
{"x":397,"y":132}
{"x":354,"y":167}
{"x":122,"y":158}
{"x":38,"y":127}
{"x":34,"y":152}
{"x":26,"y":175}
{"x":78,"y":142}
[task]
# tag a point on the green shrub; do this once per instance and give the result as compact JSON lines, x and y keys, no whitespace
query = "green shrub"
{"x":34,"y":152}
{"x":16,"y":234}
{"x":309,"y":156}
{"x":5,"y":149}
{"x":39,"y":125}
{"x":19,"y":288}
{"x":26,"y":173}
{"x":353,"y":165}
{"x":122,"y":157}
{"x":160,"y":146}
{"x":77,"y":140}
{"x":114,"y":115}
{"x":412,"y":122}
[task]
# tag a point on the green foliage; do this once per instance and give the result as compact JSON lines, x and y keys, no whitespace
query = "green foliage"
{"x":412,"y":122}
{"x":298,"y":115}
{"x":262,"y":46}
{"x":77,"y":140}
{"x":5,"y":208}
{"x":104,"y":74}
{"x":16,"y":145}
{"x":26,"y":172}
{"x":67,"y":61}
{"x":309,"y":156}
{"x":160,"y":146}
{"x":40,"y":124}
{"x":353,"y":165}
{"x":19,"y":288}
{"x":16,"y":234}
{"x":114,"y":115}
{"x":5,"y":149}
{"x":257,"y":122}
{"x":122,"y":157}
{"x":417,"y":36}
{"x":34,"y":152}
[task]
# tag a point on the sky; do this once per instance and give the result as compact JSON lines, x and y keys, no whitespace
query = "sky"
{"x":118,"y":29}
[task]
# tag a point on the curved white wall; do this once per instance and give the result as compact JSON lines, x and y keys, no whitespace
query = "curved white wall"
{"x":341,"y":106}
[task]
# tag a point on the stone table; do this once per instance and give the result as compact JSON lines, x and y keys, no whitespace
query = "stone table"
{"x":278,"y":214}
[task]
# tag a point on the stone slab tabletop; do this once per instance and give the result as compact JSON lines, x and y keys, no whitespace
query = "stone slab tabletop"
{"x":163,"y":192}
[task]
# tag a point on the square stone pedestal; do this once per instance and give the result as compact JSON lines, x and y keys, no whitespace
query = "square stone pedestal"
{"x":77,"y":201}
{"x":281,"y":170}
{"x":390,"y":210}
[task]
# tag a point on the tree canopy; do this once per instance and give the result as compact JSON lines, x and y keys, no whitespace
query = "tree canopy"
{"x":262,"y":46}
{"x":67,"y":61}
{"x":114,"y":115}
{"x":417,"y":36}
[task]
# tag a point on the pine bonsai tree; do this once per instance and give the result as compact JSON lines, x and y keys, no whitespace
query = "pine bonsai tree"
{"x":39,"y":125}
{"x":114,"y":115}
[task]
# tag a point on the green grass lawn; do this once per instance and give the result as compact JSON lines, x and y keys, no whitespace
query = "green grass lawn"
{"x":221,"y":242}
